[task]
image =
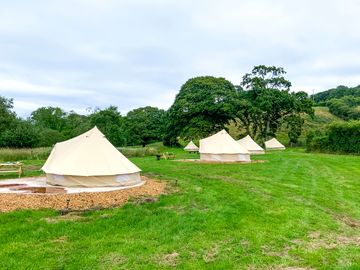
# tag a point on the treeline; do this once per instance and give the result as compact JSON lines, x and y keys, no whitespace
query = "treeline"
{"x":347,"y":107}
{"x":49,"y":125}
{"x":338,"y":92}
{"x":260,"y":105}
{"x":339,"y":137}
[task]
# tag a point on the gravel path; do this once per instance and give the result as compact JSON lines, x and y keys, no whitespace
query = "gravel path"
{"x":79,"y":201}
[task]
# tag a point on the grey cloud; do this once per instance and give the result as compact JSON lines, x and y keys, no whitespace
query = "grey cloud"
{"x":82,"y":53}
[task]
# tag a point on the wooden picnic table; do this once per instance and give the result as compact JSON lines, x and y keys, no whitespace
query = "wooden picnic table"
{"x":11,"y":167}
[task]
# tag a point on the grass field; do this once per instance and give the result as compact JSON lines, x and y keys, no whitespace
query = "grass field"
{"x":294,"y":210}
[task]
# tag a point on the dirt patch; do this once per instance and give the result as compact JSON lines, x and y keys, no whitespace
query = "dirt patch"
{"x":80,"y":201}
{"x":219,"y":162}
{"x":211,"y":254}
{"x":349,"y":221}
{"x":60,"y":240}
{"x":109,"y":261}
{"x":331,"y":241}
{"x":170,"y":259}
{"x":71,"y":216}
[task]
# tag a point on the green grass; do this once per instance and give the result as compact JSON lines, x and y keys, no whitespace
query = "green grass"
{"x":294,"y":210}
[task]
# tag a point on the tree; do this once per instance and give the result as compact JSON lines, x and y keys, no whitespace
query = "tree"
{"x":341,"y":91}
{"x":49,"y":117}
{"x":202,"y":106}
{"x":22,"y":134}
{"x":75,"y":124}
{"x":265,"y":101}
{"x":112,"y":124}
{"x":145,"y":125}
{"x":347,"y":107}
{"x":294,"y":123}
{"x":49,"y":137}
{"x":7,"y":116}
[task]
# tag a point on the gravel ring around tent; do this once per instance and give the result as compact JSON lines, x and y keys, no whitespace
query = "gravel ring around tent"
{"x":220,"y":162}
{"x":80,"y":201}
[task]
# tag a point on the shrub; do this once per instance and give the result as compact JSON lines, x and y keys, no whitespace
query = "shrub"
{"x":341,"y":137}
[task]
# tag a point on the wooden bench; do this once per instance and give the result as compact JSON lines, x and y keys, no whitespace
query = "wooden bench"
{"x":11,"y":167}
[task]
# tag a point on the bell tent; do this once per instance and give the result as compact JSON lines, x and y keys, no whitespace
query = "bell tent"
{"x":89,"y":160}
{"x":223,"y":148}
{"x":191,"y":147}
{"x":274,"y":144}
{"x":249,"y":144}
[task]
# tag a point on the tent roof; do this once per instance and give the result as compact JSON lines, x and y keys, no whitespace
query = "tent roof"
{"x":191,"y":147}
{"x":221,"y":143}
{"x":89,"y":154}
{"x":273,"y":143}
{"x":250,"y":144}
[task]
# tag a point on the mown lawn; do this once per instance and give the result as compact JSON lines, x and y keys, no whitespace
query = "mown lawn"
{"x":294,"y":210}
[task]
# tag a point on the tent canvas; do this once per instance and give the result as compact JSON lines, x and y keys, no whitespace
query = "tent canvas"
{"x":223,"y":148}
{"x":89,"y":160}
{"x":248,"y":143}
{"x":274,"y":144}
{"x":191,"y":147}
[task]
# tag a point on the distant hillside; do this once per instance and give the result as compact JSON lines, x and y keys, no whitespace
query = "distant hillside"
{"x":320,"y":120}
{"x":338,"y":92}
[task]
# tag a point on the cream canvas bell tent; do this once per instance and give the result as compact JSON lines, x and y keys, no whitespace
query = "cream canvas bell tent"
{"x":89,"y":160}
{"x":249,"y":144}
{"x":191,"y":147}
{"x":274,"y":144}
{"x":223,"y":148}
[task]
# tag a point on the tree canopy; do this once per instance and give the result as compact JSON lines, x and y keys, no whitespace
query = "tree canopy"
{"x":202,"y":106}
{"x":266,"y":102}
{"x":338,"y":92}
{"x":146,"y":125}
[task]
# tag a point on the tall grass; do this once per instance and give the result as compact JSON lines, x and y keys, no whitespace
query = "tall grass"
{"x":11,"y":154}
{"x":138,"y":151}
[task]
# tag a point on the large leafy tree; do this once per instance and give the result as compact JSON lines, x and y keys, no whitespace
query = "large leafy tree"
{"x":145,"y":125}
{"x":49,"y":117}
{"x":266,"y":102}
{"x":112,"y":124}
{"x":75,"y":124}
{"x":202,"y":106}
{"x":7,"y":115}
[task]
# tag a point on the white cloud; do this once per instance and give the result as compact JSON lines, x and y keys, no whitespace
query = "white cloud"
{"x":97,"y":53}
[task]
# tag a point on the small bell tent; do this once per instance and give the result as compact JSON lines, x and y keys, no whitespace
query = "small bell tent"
{"x":249,"y":144}
{"x":191,"y":147}
{"x":274,"y":144}
{"x":89,"y":160}
{"x":223,"y":148}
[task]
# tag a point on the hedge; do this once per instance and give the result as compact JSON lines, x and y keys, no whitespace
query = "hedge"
{"x":339,"y":137}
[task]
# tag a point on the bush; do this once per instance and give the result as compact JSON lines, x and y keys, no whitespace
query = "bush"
{"x":344,"y":137}
{"x":49,"y":137}
{"x":340,"y":137}
{"x":21,"y":135}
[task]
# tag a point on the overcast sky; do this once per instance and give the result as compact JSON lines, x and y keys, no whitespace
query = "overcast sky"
{"x":95,"y":53}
